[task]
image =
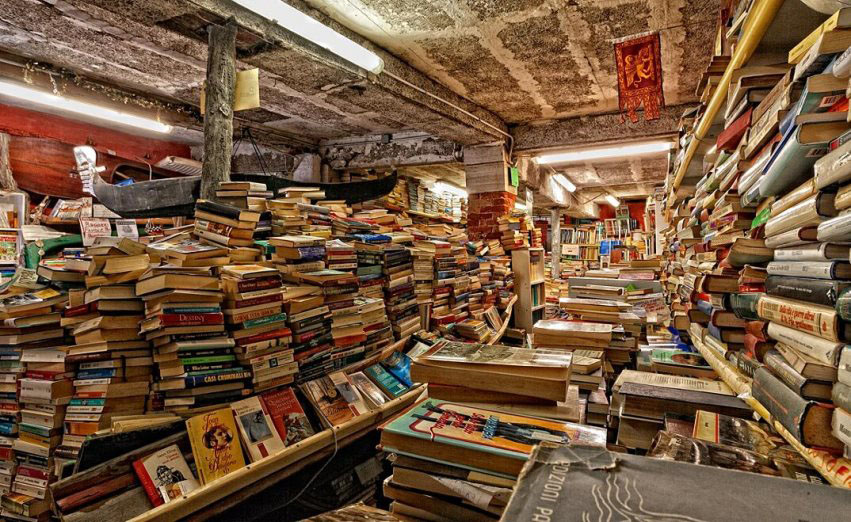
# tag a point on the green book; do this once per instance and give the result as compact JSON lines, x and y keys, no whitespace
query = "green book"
{"x":385,"y":380}
{"x":210,"y":359}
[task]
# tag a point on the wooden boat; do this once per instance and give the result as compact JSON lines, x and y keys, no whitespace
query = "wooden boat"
{"x":352,"y":192}
{"x":176,"y":196}
{"x":45,"y":167}
{"x":171,"y":197}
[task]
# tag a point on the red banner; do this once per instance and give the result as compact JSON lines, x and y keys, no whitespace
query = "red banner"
{"x":639,"y":62}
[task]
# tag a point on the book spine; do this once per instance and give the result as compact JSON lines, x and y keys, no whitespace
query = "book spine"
{"x":819,"y":349}
{"x":274,"y":334}
{"x":256,"y":301}
{"x":814,"y":269}
{"x":781,"y":369}
{"x":785,"y":406}
{"x":744,"y":305}
{"x":191,"y":319}
{"x":842,"y":396}
{"x":835,"y":230}
{"x":206,"y":380}
{"x":818,"y":291}
{"x":264,"y":320}
{"x":801,"y":316}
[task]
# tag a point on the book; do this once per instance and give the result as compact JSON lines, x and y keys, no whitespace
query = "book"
{"x":818,"y":348}
{"x":332,"y":407}
{"x":215,"y":444}
{"x":658,"y":486}
{"x":165,"y":475}
{"x":258,"y":432}
{"x":389,"y":384}
{"x":814,"y":319}
{"x":806,"y":388}
{"x":287,"y":415}
{"x":475,"y":438}
{"x":819,"y":291}
{"x":813,"y":269}
{"x":807,"y":421}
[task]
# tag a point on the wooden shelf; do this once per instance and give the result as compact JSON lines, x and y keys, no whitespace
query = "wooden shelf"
{"x":538,"y":281}
{"x":277,"y":465}
{"x":834,"y":469}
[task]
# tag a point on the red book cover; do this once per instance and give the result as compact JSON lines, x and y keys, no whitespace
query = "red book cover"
{"x":732,"y":135}
{"x":265,"y":336}
{"x":33,"y":473}
{"x":756,"y":346}
{"x":287,"y":415}
{"x":79,"y":310}
{"x":350,"y":340}
{"x":191,"y":319}
{"x":258,"y":301}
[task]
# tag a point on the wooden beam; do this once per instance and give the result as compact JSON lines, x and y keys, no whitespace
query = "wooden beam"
{"x":218,"y":113}
{"x":7,"y":182}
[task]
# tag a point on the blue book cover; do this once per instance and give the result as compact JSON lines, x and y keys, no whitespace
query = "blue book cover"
{"x":399,"y":365}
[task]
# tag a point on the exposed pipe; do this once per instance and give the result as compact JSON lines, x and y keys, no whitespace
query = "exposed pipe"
{"x":454,"y":106}
{"x":758,"y":22}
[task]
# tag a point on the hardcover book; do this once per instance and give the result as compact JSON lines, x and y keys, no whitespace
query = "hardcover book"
{"x":215,"y":444}
{"x":165,"y":475}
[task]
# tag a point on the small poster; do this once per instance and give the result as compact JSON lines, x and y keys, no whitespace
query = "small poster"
{"x":92,"y":228}
{"x":127,"y":228}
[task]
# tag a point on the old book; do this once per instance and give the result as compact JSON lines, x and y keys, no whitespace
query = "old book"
{"x":794,"y":237}
{"x":215,"y":444}
{"x":806,"y":388}
{"x":810,"y":211}
{"x":678,"y":362}
{"x":389,"y":384}
{"x":837,"y":229}
{"x":804,"y":364}
{"x":649,"y":401}
{"x":814,"y":269}
{"x":540,"y":372}
{"x":734,"y":431}
{"x":812,"y":252}
{"x":287,"y":415}
{"x":817,"y":320}
{"x":818,"y":291}
{"x":256,"y":428}
{"x":449,"y":432}
{"x":662,"y":487}
{"x":818,"y":348}
{"x":808,"y":421}
{"x":333,"y":409}
{"x":165,"y":475}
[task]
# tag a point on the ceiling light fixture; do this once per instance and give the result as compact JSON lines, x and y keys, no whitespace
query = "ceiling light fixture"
{"x":311,"y":29}
{"x":441,"y":186}
{"x":562,"y":180}
{"x":22,"y":92}
{"x":619,"y":151}
{"x":613,"y":201}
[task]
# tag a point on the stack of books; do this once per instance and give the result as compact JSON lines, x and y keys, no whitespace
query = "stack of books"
{"x":376,"y":325}
{"x":298,"y":253}
{"x":253,"y":312}
{"x":339,"y":292}
{"x":225,"y":225}
{"x":310,"y":322}
{"x":369,"y":272}
{"x":503,"y":278}
{"x":287,"y":217}
{"x":186,"y":328}
{"x":481,"y":450}
{"x":340,"y":255}
{"x":43,"y":395}
{"x":399,"y":297}
{"x":248,"y":195}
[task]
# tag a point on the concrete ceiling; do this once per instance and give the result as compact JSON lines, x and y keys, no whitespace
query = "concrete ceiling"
{"x":523,"y":65}
{"x":529,"y":60}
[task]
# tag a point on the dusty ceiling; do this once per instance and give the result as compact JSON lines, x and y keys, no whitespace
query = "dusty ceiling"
{"x":498,"y":63}
{"x":529,"y":60}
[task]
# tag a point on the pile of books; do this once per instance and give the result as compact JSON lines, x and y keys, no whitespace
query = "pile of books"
{"x":340,"y":255}
{"x":399,"y":297}
{"x":248,"y":195}
{"x":369,"y":272}
{"x":225,"y":225}
{"x":297,"y":253}
{"x":253,"y":312}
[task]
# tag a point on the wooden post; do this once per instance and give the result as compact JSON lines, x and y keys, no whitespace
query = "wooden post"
{"x":218,"y":113}
{"x":555,"y":242}
{"x":7,"y":181}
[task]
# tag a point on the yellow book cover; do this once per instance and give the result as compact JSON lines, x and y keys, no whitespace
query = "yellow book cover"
{"x":215,"y":444}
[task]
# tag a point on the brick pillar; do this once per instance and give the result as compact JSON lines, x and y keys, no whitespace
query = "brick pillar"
{"x":490,"y":194}
{"x":483,"y":212}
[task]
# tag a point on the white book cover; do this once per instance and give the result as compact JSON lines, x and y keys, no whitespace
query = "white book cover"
{"x":256,"y":428}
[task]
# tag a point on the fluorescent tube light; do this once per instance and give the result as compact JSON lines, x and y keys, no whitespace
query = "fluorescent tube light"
{"x":311,"y":29}
{"x":22,"y":92}
{"x":441,"y":186}
{"x":562,"y":180}
{"x":620,"y":151}
{"x":613,"y":201}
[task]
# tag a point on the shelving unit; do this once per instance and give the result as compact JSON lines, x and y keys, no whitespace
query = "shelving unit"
{"x":529,"y":285}
{"x":835,"y":470}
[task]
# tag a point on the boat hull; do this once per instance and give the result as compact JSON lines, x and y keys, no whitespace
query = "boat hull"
{"x":353,"y":192}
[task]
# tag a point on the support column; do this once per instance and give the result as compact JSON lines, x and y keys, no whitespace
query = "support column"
{"x":218,"y":112}
{"x":7,"y":181}
{"x":555,"y":243}
{"x":491,"y":195}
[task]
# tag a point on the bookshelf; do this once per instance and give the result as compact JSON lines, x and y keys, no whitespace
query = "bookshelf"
{"x":529,"y":285}
{"x":581,"y":243}
{"x":834,"y":469}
